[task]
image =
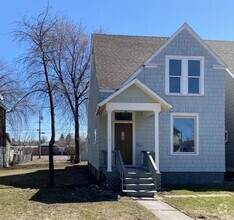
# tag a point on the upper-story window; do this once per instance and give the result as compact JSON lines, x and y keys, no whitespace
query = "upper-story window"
{"x":184,"y":75}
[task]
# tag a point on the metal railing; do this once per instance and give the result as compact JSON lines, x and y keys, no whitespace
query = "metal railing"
{"x":148,"y":161}
{"x":119,"y":165}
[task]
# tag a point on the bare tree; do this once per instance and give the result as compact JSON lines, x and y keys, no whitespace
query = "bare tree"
{"x":35,"y":33}
{"x":69,"y":140}
{"x":15,"y":98}
{"x":70,"y":60}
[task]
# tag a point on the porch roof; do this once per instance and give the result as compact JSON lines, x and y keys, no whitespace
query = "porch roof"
{"x":164,"y":104}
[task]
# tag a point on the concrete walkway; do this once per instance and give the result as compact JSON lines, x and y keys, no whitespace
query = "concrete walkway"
{"x":199,"y":195}
{"x":162,"y":210}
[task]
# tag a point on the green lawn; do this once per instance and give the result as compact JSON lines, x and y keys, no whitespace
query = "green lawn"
{"x":24,"y":194}
{"x":206,"y":201}
{"x":218,"y":188}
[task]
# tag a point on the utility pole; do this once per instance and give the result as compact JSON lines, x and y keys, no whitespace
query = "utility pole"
{"x":39,"y":130}
{"x":40,"y":133}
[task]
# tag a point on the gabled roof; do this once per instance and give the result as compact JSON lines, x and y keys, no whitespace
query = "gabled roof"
{"x":164,"y":104}
{"x":225,"y":50}
{"x":186,"y":27}
{"x":117,"y":57}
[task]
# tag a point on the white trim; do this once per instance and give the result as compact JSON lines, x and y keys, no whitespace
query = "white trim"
{"x":107,"y":90}
{"x":165,"y":105}
{"x":156,"y":139}
{"x":109,"y":142}
{"x":123,"y":106}
{"x":230,"y":73}
{"x":219,"y":67}
{"x":150,"y":65}
{"x":133,"y":134}
{"x":186,"y":115}
{"x":184,"y":75}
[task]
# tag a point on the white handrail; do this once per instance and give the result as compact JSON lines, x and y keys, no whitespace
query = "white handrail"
{"x":153,"y":163}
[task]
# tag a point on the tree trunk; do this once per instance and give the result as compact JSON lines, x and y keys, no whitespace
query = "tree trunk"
{"x":52,"y":140}
{"x":77,"y":140}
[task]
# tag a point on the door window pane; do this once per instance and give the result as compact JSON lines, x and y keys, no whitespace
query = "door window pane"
{"x":175,"y":67}
{"x":194,"y":67}
{"x":193,"y":85}
{"x":174,"y":85}
{"x":123,"y":116}
{"x":184,"y":134}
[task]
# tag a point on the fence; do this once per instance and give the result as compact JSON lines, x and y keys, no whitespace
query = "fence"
{"x":8,"y":156}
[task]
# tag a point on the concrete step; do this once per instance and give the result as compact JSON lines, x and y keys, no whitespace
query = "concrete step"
{"x":140,"y":193}
{"x":129,"y":180}
{"x":134,"y":186}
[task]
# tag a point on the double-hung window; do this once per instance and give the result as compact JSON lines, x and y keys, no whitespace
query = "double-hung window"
{"x":175,"y":76}
{"x":184,"y":75}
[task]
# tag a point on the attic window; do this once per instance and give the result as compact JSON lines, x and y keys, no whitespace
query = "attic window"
{"x":184,"y":75}
{"x":123,"y":116}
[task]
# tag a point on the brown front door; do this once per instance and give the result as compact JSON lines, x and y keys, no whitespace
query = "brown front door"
{"x":123,"y":141}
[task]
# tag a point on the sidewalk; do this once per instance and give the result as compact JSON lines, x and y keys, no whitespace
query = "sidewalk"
{"x":162,"y":210}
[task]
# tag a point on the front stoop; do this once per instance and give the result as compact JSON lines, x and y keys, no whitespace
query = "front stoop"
{"x":138,"y":182}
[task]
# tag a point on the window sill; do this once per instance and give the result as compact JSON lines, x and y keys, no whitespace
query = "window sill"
{"x":177,"y":94}
{"x":184,"y":154}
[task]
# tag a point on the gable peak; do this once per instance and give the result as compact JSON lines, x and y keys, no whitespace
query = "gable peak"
{"x":186,"y":26}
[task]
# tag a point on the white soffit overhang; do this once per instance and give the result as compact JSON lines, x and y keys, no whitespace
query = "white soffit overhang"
{"x":164,"y":104}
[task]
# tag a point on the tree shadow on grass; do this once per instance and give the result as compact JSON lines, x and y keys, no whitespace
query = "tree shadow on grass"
{"x":73,"y":184}
{"x":65,"y":194}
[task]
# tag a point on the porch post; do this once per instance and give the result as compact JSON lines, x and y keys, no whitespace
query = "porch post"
{"x":109,"y":151}
{"x":156,"y":139}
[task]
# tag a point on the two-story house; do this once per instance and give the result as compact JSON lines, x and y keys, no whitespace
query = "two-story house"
{"x":157,"y":110}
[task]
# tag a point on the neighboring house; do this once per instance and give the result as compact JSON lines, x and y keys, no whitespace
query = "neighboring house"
{"x":3,"y":149}
{"x":45,"y":149}
{"x":164,"y":96}
{"x":2,"y":124}
{"x":84,"y":150}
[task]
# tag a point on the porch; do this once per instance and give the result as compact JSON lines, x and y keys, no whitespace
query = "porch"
{"x":129,"y":125}
{"x":141,"y":181}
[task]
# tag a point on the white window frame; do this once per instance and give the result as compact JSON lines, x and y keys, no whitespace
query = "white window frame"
{"x":196,"y":131}
{"x":184,"y":75}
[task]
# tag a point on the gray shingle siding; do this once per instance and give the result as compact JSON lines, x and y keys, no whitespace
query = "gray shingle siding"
{"x":133,"y":94}
{"x":144,"y":127}
{"x":93,"y":120}
{"x":229,"y":120}
{"x":210,"y":108}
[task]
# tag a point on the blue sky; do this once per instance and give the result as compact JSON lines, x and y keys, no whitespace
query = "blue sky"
{"x":211,"y":19}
